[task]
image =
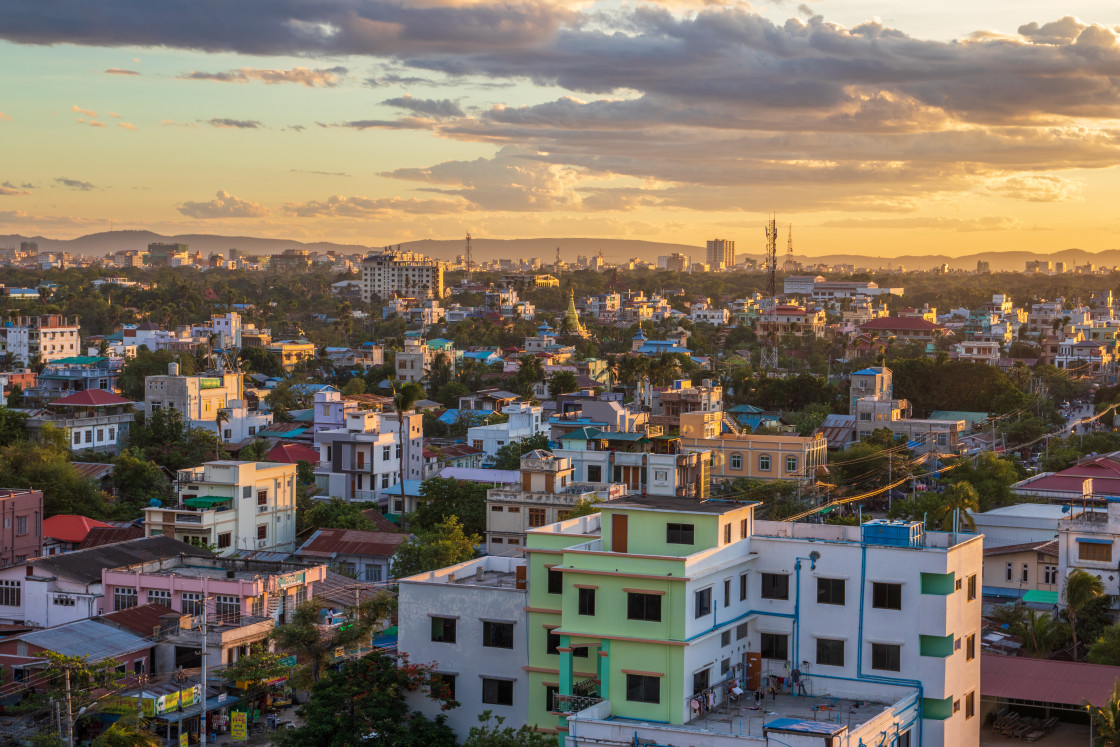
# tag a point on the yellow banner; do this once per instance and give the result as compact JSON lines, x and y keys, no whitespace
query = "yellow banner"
{"x":185,"y":739}
{"x":239,"y":725}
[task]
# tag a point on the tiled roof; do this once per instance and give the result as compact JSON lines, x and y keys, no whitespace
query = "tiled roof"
{"x":142,"y":620}
{"x":92,"y":398}
{"x":328,"y":543}
{"x":1045,"y":680}
{"x":69,"y":527}
{"x":99,"y":536}
{"x":86,"y":565}
{"x":1049,"y":547}
{"x":93,"y":470}
{"x":292,"y":453}
{"x":379,"y":521}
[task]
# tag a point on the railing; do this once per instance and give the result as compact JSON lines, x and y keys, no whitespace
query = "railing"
{"x":188,"y":519}
{"x":365,"y":495}
{"x":574,"y":703}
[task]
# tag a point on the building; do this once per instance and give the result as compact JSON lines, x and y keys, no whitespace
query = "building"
{"x":979,"y":351}
{"x":358,"y":554}
{"x":677,"y":262}
{"x":704,"y":594}
{"x":66,"y":532}
{"x":200,"y":398}
{"x":470,"y":619}
{"x":783,"y":457}
{"x":681,"y":397}
{"x":393,"y":272}
{"x":44,"y":338}
{"x":876,"y":382}
{"x":786,"y":319}
{"x":168,"y":255}
{"x":721,"y":254}
{"x":547,"y":494}
{"x":21,"y":656}
{"x":658,"y":465}
{"x":1087,"y":541}
{"x":78,"y":373}
{"x":231,"y":506}
{"x":800,"y":285}
{"x":904,"y":328}
{"x":91,"y":419}
{"x":415,"y":362}
{"x":292,"y":353}
{"x":1011,"y":571}
{"x":1022,"y":523}
{"x":1091,"y":479}
{"x":362,"y":459}
{"x":21,"y":525}
{"x":524,"y":421}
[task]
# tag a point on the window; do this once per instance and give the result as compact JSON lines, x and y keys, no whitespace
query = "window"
{"x":742,"y":587}
{"x":886,"y":596}
{"x":496,"y":509}
{"x":1025,"y":574}
{"x":643,"y":688}
{"x":1094,"y":551}
{"x":385,"y":453}
{"x":227,"y":607}
{"x":123,"y":599}
{"x":497,"y":692}
{"x":700,"y":681}
{"x":791,"y":464}
{"x":727,"y":592}
{"x":247,"y":491}
{"x":886,"y":656}
{"x":594,"y":473}
{"x":550,"y":697}
{"x":1009,"y":571}
{"x":77,"y":437}
{"x":385,"y":481}
{"x":552,"y":641}
{"x":587,"y":601}
{"x":743,"y":528}
{"x":774,"y":646}
{"x":21,"y":525}
{"x":443,"y":629}
{"x":679,"y":534}
{"x":970,"y":647}
{"x":775,"y":586}
{"x":970,"y":705}
{"x":703,"y":602}
{"x":736,"y":461}
{"x":727,"y":534}
{"x":725,"y":638}
{"x":555,"y":581}
{"x":63,"y":600}
{"x":448,"y":683}
{"x":1050,"y":575}
{"x":830,"y":591}
{"x":191,"y":603}
{"x":742,"y":630}
{"x":257,"y":606}
{"x":956,"y":706}
{"x":643,"y":607}
{"x":830,"y":652}
{"x":764,"y":463}
{"x":497,"y":634}
{"x":9,"y":593}
{"x":536,"y":517}
{"x":262,"y":531}
{"x":224,"y":540}
{"x":159,"y":596}
{"x":972,"y":587}
{"x":262,"y":497}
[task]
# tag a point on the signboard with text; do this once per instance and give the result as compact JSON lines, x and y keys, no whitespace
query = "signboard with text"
{"x":239,"y":725}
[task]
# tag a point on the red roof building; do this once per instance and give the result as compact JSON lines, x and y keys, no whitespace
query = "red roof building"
{"x":361,"y":555}
{"x":99,"y":536}
{"x":1069,"y":484}
{"x":909,"y":327}
{"x":92,"y":398}
{"x":293,"y":453}
{"x":1067,"y":683}
{"x":64,"y":532}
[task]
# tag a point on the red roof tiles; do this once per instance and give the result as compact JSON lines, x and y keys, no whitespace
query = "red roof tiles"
{"x":1046,"y":680}
{"x":327,"y":543}
{"x":292,"y":453}
{"x":69,"y":527}
{"x":92,"y":398}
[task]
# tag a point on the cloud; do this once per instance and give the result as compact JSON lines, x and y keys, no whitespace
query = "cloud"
{"x":120,"y":71}
{"x":75,"y":184}
{"x":80,"y":110}
{"x":91,"y":123}
{"x":338,"y":206}
{"x":301,"y":75}
{"x":404,"y":123}
{"x":1036,"y":188}
{"x":237,"y":124}
{"x":126,"y":125}
{"x":5,"y":117}
{"x":224,"y":205}
{"x":987,"y":223}
{"x":442,"y":109}
{"x":321,"y":173}
{"x":7,"y":189}
{"x":114,"y":115}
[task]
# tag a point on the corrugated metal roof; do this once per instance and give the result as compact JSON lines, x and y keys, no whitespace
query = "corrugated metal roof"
{"x":327,"y":543}
{"x":86,"y":565}
{"x":89,"y":638}
{"x":99,"y":536}
{"x":142,"y":620}
{"x":1046,"y":680}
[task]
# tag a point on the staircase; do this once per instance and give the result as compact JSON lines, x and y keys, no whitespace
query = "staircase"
{"x":730,"y":424}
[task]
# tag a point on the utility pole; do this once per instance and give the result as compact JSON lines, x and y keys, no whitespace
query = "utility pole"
{"x":69,"y":709}
{"x":202,"y":735}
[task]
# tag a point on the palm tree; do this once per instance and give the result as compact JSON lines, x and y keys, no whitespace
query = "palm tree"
{"x":8,"y":361}
{"x":1106,"y":720}
{"x":960,"y":496}
{"x":127,"y":731}
{"x":1081,"y":589}
{"x":1038,"y":631}
{"x":404,"y":400}
{"x":222,"y":416}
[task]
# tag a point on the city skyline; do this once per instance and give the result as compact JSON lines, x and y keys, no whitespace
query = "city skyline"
{"x":939,"y":131}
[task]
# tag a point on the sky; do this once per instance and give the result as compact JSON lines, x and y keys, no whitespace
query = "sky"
{"x":882,"y":128}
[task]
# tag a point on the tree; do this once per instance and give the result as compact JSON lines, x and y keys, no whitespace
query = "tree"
{"x":1107,"y":720}
{"x":1106,"y":649}
{"x":491,"y":733}
{"x":444,"y":497}
{"x":366,"y":701}
{"x":127,"y":731}
{"x":48,"y":468}
{"x":150,"y":363}
{"x":509,"y":456}
{"x":443,"y":545}
{"x":138,"y":480}
{"x":958,"y":500}
{"x":166,"y":440}
{"x":220,"y":417}
{"x":354,"y":386}
{"x":562,"y":382}
{"x":809,"y":419}
{"x":403,"y":401}
{"x":260,"y":360}
{"x":15,"y":396}
{"x":258,"y":665}
{"x":335,"y":513}
{"x":1081,"y":589}
{"x":584,"y":507}
{"x":991,"y":476}
{"x":13,"y":425}
{"x":307,"y":637}
{"x":1039,"y":632}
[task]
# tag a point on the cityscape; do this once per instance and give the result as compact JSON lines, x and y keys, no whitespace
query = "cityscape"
{"x":800,"y":325}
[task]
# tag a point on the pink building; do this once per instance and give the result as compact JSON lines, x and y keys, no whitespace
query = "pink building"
{"x":21,"y":525}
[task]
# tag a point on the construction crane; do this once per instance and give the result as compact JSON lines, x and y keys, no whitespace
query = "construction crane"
{"x":772,"y":256}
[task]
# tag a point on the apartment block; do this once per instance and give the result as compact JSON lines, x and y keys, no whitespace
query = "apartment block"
{"x":784,"y":457}
{"x":199,"y":398}
{"x":21,"y":525}
{"x":231,"y":506}
{"x":393,"y":272}
{"x":47,"y":337}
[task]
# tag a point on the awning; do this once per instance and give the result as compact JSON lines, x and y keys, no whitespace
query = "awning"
{"x":1092,"y":541}
{"x":1041,"y":597}
{"x":207,"y":501}
{"x":212,"y":704}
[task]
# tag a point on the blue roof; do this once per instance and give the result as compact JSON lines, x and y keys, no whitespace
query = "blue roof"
{"x":746,"y":408}
{"x":451,"y":416}
{"x":662,"y":346}
{"x":806,"y":727}
{"x":89,"y":638}
{"x":411,"y":487}
{"x":872,"y":371}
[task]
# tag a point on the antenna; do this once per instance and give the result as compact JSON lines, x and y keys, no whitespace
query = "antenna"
{"x":558,"y":259}
{"x":470,"y":258}
{"x":789,"y":248}
{"x":772,"y":256}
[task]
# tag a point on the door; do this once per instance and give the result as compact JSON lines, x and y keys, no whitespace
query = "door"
{"x":754,"y":669}
{"x":618,"y":533}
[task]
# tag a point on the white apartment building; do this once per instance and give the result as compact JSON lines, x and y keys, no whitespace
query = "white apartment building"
{"x":199,"y":399}
{"x":704,"y":313}
{"x":1088,"y":540}
{"x":415,"y":361}
{"x":360,"y":460}
{"x":393,"y":272}
{"x":50,"y":337}
{"x":524,"y":420}
{"x":231,"y":506}
{"x":470,"y":620}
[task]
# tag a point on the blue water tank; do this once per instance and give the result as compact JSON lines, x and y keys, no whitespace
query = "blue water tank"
{"x":893,"y":533}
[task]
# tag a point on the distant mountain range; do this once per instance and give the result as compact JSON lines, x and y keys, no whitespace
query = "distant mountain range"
{"x":98,"y":244}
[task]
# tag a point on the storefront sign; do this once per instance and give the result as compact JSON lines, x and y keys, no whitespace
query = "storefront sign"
{"x":125,"y":705}
{"x":209,"y":383}
{"x":185,"y":739}
{"x":239,"y":725}
{"x":291,"y":579}
{"x":288,"y":661}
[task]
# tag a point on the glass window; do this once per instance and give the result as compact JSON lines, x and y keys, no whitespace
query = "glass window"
{"x":537,"y":517}
{"x":830,"y":652}
{"x":774,"y":646}
{"x":224,"y":540}
{"x":972,"y":587}
{"x":736,"y":461}
{"x":443,"y":629}
{"x":700,"y":680}
{"x":226,"y":607}
{"x":191,"y":603}
{"x":447,"y":681}
{"x":970,"y":647}
{"x":791,"y":464}
{"x":764,"y":463}
{"x":886,"y":596}
{"x":643,"y":607}
{"x":159,"y":596}
{"x":830,"y":591}
{"x":726,"y":534}
{"x":886,"y":656}
{"x":497,"y":692}
{"x":497,"y":634}
{"x":642,"y":688}
{"x":742,"y":630}
{"x":970,"y":705}
{"x":703,"y":602}
{"x":680,"y":534}
{"x":775,"y":586}
{"x":552,"y":641}
{"x":587,"y":601}
{"x":555,"y":581}
{"x":124,"y":598}
{"x":742,"y":587}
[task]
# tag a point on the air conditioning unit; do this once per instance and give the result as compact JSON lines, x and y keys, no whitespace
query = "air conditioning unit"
{"x":262,"y":543}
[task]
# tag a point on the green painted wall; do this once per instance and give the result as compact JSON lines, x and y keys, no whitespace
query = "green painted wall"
{"x":932,"y":645}
{"x":646,"y":531}
{"x":939,"y":583}
{"x":938,"y":710}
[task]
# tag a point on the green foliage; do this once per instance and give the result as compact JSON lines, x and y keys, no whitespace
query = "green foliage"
{"x":150,"y":363}
{"x":15,"y":396}
{"x":991,"y":476}
{"x":1106,"y":719}
{"x":562,"y":382}
{"x":47,"y":467}
{"x":355,"y":386}
{"x":958,"y":500}
{"x":509,"y":456}
{"x":444,"y":497}
{"x":257,"y":451}
{"x":261,"y":361}
{"x":584,"y":507}
{"x":335,"y":513}
{"x":1106,"y":648}
{"x":165,"y":439}
{"x":259,"y":665}
{"x":306,"y":636}
{"x":366,"y":701}
{"x":809,"y":419}
{"x":138,"y":480}
{"x":942,"y":384}
{"x":491,"y":733}
{"x":1041,"y":633}
{"x":13,"y":426}
{"x":1082,"y":589}
{"x":448,"y":395}
{"x":127,"y":731}
{"x":443,"y":545}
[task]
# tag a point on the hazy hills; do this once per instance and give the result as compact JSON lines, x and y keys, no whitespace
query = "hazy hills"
{"x":98,"y":244}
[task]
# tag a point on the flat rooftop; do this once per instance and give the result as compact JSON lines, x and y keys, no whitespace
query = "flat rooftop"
{"x":498,"y":572}
{"x":671,"y":503}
